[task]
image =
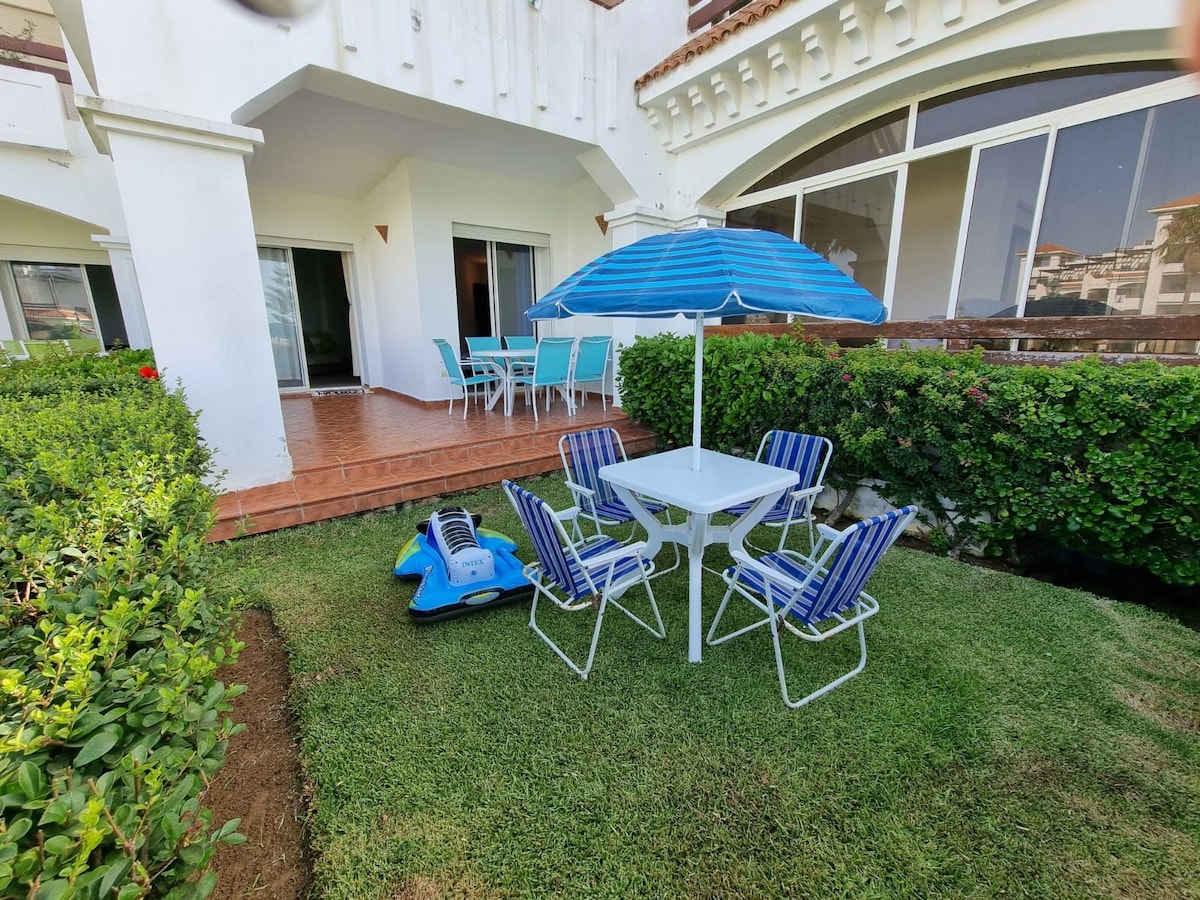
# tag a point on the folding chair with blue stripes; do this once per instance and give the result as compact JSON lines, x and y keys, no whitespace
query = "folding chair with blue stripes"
{"x":813,"y":597}
{"x":592,"y":573}
{"x":808,"y":456}
{"x":582,"y":454}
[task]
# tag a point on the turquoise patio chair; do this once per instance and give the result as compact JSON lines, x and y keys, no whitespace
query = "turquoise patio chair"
{"x":551,"y":369}
{"x":813,"y":597}
{"x":454,"y":370}
{"x":579,"y":576}
{"x":479,"y":365}
{"x":521,"y":342}
{"x":591,"y":364}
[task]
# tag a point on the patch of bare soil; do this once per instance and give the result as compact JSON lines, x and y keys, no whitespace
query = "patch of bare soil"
{"x":261,"y":782}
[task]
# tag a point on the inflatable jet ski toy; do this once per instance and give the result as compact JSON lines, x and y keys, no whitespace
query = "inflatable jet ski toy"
{"x":462,"y":567}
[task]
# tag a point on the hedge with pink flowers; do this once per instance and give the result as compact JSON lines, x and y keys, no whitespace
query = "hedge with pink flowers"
{"x":1101,"y":459}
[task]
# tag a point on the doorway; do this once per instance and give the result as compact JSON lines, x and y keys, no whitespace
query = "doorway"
{"x":495,"y":282}
{"x":309,"y":313}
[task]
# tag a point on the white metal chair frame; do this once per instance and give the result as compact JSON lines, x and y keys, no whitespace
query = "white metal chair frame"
{"x":823,"y":592}
{"x":590,"y":574}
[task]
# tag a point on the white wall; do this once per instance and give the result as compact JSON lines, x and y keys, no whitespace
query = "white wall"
{"x":50,"y":237}
{"x":392,"y":321}
{"x":442,"y":196}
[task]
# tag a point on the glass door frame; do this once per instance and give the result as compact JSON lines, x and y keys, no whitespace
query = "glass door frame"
{"x":273,"y":242}
{"x":539,"y":261}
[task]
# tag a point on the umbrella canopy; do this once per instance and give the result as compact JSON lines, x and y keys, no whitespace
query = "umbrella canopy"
{"x":710,"y":272}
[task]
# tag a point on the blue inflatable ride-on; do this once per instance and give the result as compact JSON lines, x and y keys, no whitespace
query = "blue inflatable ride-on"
{"x":462,"y":567}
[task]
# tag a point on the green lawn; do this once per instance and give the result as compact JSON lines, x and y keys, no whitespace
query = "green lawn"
{"x":1007,"y":738}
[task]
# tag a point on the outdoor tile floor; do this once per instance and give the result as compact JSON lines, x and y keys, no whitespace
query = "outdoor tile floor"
{"x":356,"y":452}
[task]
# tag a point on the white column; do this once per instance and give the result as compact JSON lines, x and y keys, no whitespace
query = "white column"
{"x":120,"y":257}
{"x":183,"y":189}
{"x":626,"y":224}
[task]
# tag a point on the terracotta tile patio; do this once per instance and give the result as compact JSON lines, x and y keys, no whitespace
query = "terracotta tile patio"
{"x":358,"y":452}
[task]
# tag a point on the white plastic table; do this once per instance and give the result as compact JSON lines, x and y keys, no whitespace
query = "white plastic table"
{"x":721,"y":482}
{"x":504,"y":359}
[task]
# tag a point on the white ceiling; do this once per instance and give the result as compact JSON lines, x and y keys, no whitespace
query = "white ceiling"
{"x":321,"y":144}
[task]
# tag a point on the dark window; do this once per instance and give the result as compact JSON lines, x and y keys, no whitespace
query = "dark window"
{"x":870,"y":140}
{"x":988,"y":105}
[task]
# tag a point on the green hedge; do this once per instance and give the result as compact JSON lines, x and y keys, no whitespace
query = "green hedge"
{"x":1101,"y":459}
{"x":113,"y":719}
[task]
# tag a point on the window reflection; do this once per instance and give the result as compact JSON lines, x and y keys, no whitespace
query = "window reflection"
{"x":1006,"y":188}
{"x":1118,"y":217}
{"x":988,"y":105}
{"x":851,"y":226}
{"x":54,"y":301}
{"x":872,"y":140}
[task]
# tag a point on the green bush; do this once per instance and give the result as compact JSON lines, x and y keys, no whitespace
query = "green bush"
{"x":113,"y":720}
{"x":1091,"y":457}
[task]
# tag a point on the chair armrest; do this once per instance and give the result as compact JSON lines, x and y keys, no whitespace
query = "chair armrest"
{"x":581,"y":490}
{"x":826,"y":532}
{"x":807,"y":492}
{"x":566,"y":515}
{"x":622,"y":552}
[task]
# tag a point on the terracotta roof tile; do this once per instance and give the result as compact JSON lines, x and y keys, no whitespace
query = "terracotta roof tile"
{"x":1181,"y":203}
{"x":706,"y":40}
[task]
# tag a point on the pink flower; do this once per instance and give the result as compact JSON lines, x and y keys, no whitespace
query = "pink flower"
{"x":847,"y":377}
{"x":148,"y":372}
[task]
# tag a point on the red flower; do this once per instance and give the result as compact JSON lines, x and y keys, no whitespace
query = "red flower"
{"x":148,"y":372}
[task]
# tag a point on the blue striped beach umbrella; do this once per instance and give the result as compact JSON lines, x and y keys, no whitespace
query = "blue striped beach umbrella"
{"x":710,"y":272}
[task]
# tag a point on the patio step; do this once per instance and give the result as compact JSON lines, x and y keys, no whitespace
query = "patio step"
{"x":327,"y":492}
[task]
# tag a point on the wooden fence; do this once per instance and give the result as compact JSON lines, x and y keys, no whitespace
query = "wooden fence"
{"x":960,"y":333}
{"x":705,"y":13}
{"x":34,"y":56}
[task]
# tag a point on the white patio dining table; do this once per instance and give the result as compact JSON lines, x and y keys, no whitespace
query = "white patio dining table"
{"x":720,"y":482}
{"x":505,"y":360}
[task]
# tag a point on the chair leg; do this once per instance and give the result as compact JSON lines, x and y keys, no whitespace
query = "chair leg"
{"x":587,"y":667}
{"x":783,"y":689}
{"x":733,"y":586}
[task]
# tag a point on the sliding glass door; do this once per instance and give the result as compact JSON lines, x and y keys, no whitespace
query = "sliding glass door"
{"x":496,"y":280}
{"x":283,"y":316}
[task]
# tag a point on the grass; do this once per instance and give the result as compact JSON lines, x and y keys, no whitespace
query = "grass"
{"x":1008,"y":737}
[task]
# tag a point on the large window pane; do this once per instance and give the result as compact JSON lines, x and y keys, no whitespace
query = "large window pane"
{"x":929,"y":235}
{"x":54,"y":301}
{"x":988,"y":105}
{"x":851,"y":226}
{"x":281,"y":316}
{"x":1116,"y":186}
{"x":514,"y":287}
{"x":871,"y":140}
{"x":1006,"y":187}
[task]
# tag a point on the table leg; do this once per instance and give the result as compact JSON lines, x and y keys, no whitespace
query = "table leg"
{"x":698,"y":523}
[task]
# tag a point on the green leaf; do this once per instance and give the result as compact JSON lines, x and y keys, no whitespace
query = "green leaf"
{"x":30,"y":780}
{"x":96,"y":747}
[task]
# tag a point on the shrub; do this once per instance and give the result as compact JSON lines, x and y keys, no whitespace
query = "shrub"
{"x":1092,"y":457}
{"x":113,"y":719}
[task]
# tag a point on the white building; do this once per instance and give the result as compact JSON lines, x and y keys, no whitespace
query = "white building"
{"x":280,"y":204}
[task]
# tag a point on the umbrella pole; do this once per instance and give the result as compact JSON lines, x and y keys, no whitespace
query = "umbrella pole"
{"x":697,"y":392}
